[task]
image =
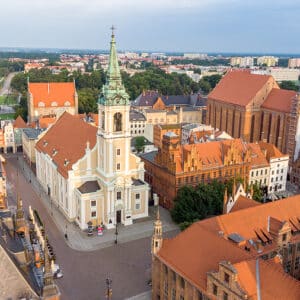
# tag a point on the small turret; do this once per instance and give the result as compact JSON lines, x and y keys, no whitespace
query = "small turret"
{"x":157,"y":234}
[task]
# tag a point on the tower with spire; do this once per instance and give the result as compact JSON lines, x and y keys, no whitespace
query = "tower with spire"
{"x":116,"y":165}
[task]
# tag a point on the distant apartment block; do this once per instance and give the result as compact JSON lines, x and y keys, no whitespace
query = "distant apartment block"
{"x":280,"y":74}
{"x":268,"y":61}
{"x":242,"y":62}
{"x":294,"y":63}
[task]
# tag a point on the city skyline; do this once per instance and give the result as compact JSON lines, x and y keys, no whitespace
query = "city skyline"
{"x":171,"y":26}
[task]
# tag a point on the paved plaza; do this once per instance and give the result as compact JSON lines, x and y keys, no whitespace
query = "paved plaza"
{"x":87,"y":261}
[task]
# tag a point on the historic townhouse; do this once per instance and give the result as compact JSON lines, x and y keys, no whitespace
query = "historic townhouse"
{"x":253,"y":252}
{"x":51,"y":99}
{"x":89,"y":171}
{"x":175,"y":165}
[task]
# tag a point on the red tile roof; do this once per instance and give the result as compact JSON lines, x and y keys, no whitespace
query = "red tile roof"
{"x":196,"y":251}
{"x":271,"y":150}
{"x":243,"y":202}
{"x":20,"y":123}
{"x":200,"y":248}
{"x":279,"y":100}
{"x":245,"y":221}
{"x":53,"y":92}
{"x":239,"y":87}
{"x":274,"y":283}
{"x":69,"y":137}
{"x":45,"y":122}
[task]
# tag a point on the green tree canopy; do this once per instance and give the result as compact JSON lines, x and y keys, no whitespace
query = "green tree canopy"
{"x":289,"y":85}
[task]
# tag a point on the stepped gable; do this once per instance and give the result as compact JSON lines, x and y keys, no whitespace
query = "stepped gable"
{"x":279,"y":100}
{"x":239,"y":87}
{"x":50,"y":93}
{"x":65,"y":142}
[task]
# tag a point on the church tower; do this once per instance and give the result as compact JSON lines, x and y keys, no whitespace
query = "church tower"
{"x":121,"y":174}
{"x":157,"y":234}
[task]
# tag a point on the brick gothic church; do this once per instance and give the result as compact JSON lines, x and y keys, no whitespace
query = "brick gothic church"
{"x":254,"y":108}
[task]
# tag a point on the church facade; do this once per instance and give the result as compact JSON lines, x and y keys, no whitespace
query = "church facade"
{"x":93,"y":176}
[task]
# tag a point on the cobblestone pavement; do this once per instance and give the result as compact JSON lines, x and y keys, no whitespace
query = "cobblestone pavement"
{"x":87,"y":262}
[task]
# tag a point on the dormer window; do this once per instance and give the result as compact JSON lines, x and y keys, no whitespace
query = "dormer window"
{"x":45,"y":143}
{"x":54,"y":152}
{"x":67,"y":103}
{"x":41,"y":104}
{"x":66,"y":162}
{"x":53,"y":103}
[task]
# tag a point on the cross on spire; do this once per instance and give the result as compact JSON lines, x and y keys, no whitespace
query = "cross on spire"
{"x":113,"y":28}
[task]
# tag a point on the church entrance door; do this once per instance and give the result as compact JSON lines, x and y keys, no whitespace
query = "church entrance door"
{"x":119,"y":215}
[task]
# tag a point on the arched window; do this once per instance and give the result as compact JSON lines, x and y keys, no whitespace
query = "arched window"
{"x":103,"y":120}
{"x":118,"y":122}
{"x":67,"y":103}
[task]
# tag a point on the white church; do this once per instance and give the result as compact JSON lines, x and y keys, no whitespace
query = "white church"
{"x":89,"y":172}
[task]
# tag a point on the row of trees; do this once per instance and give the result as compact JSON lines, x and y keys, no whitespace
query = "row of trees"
{"x":89,"y":85}
{"x":196,"y":203}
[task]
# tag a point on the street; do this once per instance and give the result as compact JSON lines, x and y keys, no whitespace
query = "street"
{"x":127,"y":264}
{"x":6,"y":85}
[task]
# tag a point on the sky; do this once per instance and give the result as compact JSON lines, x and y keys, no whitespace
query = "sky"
{"x":233,"y":26}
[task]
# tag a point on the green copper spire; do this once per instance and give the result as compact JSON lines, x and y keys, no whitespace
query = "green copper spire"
{"x":113,"y":92}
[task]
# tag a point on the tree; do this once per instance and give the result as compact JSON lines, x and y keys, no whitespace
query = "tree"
{"x":87,"y":100}
{"x":192,"y":204}
{"x":139,"y":143}
{"x":257,"y":193}
{"x":289,"y":85}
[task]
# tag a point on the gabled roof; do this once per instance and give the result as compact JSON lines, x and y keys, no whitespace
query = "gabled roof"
{"x":65,"y":142}
{"x":247,"y":220}
{"x":274,"y":283}
{"x":239,"y":87}
{"x":12,"y":283}
{"x":271,"y":150}
{"x":91,"y":186}
{"x":196,"y":251}
{"x":279,"y":100}
{"x":51,"y":93}
{"x":20,"y":123}
{"x":243,"y":202}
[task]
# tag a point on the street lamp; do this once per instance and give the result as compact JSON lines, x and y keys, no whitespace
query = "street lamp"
{"x":108,"y":288}
{"x":116,"y":233}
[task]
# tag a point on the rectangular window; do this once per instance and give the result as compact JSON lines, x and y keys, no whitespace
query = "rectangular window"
{"x":119,"y":195}
{"x":225,"y":296}
{"x":281,"y":170}
{"x":118,"y":151}
{"x":215,"y":290}
{"x":93,"y":214}
{"x":273,"y":172}
{"x":118,"y":166}
{"x":137,"y":206}
{"x":284,"y":237}
{"x":266,"y":171}
{"x":93,"y":203}
{"x":226,"y":277}
{"x":137,"y":196}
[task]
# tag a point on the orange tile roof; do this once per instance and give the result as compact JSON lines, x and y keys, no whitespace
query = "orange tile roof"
{"x":239,"y":87}
{"x":258,"y":159}
{"x":245,"y":221}
{"x":20,"y":123}
{"x":45,"y":122}
{"x":271,"y":150}
{"x":48,"y":93}
{"x":279,"y":100}
{"x":274,"y":282}
{"x":69,"y":136}
{"x":244,"y":202}
{"x":196,"y":251}
{"x":213,"y":152}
